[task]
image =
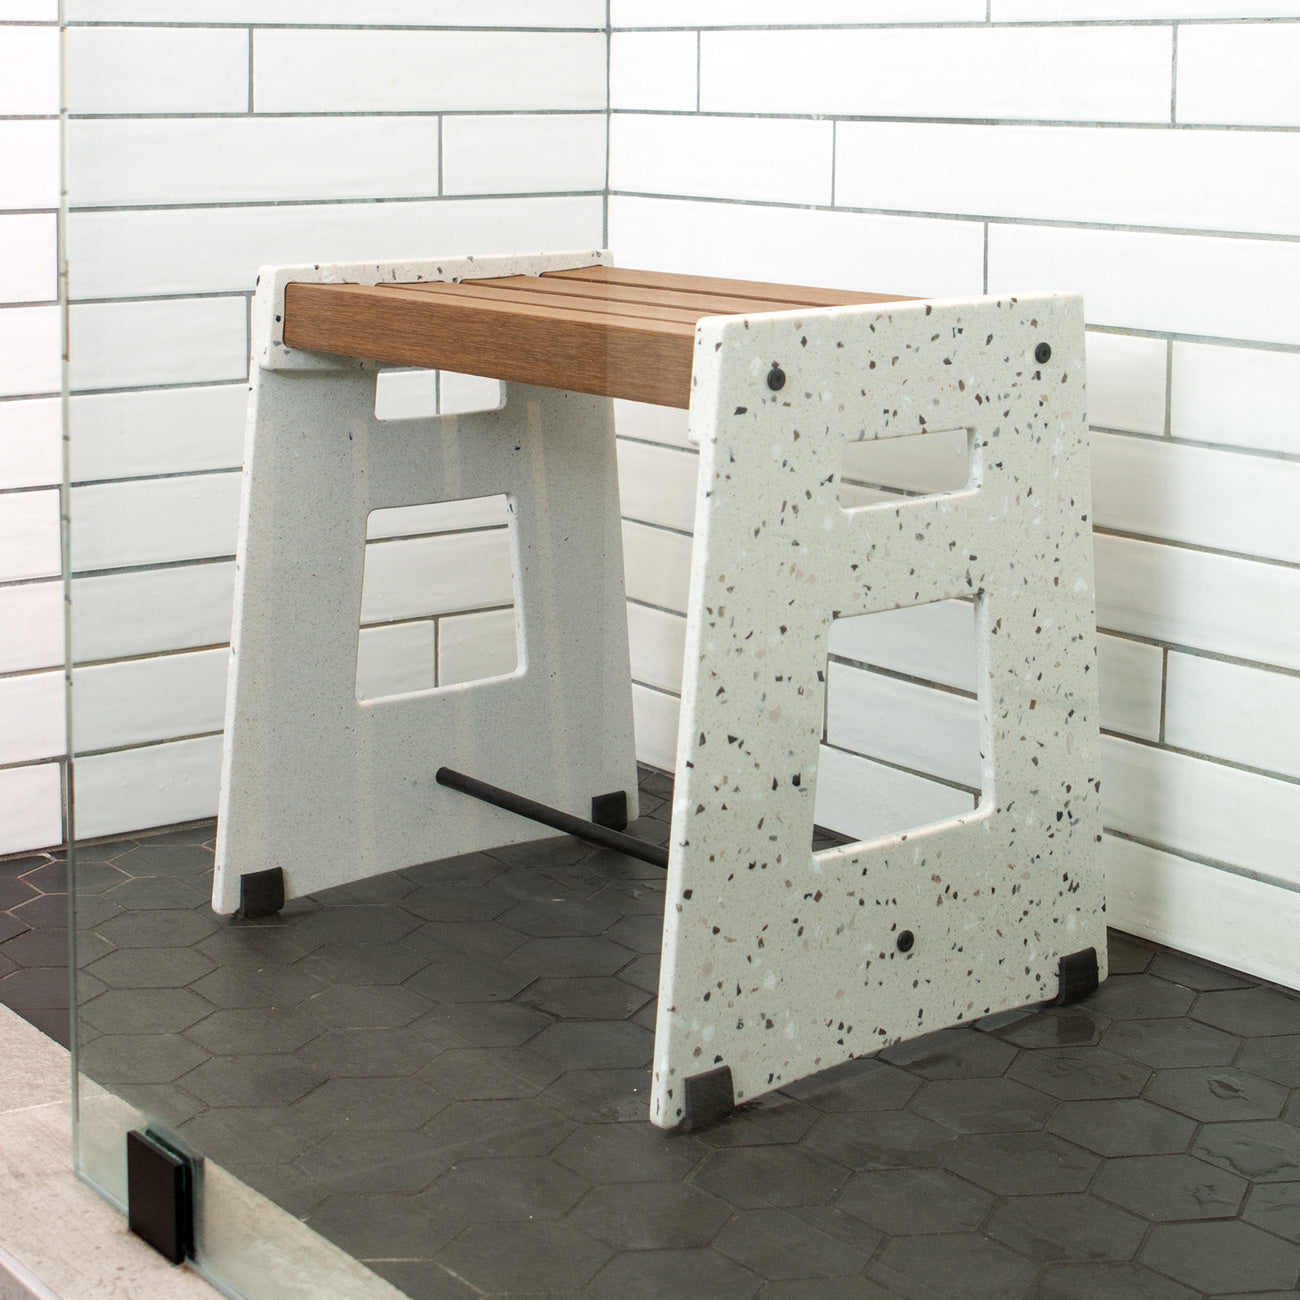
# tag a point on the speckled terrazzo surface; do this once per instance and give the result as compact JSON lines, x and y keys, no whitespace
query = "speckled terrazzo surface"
{"x":445,"y":1071}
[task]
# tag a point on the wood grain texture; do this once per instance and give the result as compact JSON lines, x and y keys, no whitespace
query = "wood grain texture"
{"x":612,"y":332}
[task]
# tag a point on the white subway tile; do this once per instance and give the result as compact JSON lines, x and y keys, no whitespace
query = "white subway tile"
{"x":640,"y":420}
{"x":134,"y":702}
{"x":1129,"y":683}
{"x":913,"y":726}
{"x":305,"y":71}
{"x":31,"y":342}
{"x":917,"y":256}
{"x":1191,"y":598}
{"x":29,"y":11}
{"x":434,"y":575}
{"x":154,"y":521}
{"x":1064,"y":11}
{"x":1242,"y":397}
{"x":1196,"y":495}
{"x":926,"y":462}
{"x":520,"y":154}
{"x":870,"y":800}
{"x":439,"y":517}
{"x":152,"y":610}
{"x":1243,"y":73}
{"x":406,"y":394}
{"x":29,"y":535}
{"x":1246,"y":715}
{"x":657,"y":643}
{"x":657,"y":485}
{"x":1200,"y":180}
{"x":209,"y":250}
{"x":1187,"y":284}
{"x":31,"y":626}
{"x":1190,"y":805}
{"x":459,"y":394}
{"x":349,"y":13}
{"x":124,"y":161}
{"x":163,"y":431}
{"x":32,"y":706}
{"x":811,"y":13}
{"x":653,"y":70}
{"x":654,"y":722}
{"x":157,"y":70}
{"x":30,"y":176}
{"x":29,"y":72}
{"x":29,"y":268}
{"x":395,"y":659}
{"x":31,"y":808}
{"x":31,"y":443}
{"x":935,"y":642}
{"x":1223,"y":917}
{"x":472,"y":647}
{"x":135,"y":344}
{"x":722,"y":157}
{"x":1126,"y":382}
{"x":1100,"y":74}
{"x":657,"y":566}
{"x":158,"y":785}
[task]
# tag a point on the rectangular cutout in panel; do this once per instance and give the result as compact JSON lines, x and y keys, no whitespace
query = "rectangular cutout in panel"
{"x":438,"y":598}
{"x":874,"y":470}
{"x":408,"y":394}
{"x":901,"y":740}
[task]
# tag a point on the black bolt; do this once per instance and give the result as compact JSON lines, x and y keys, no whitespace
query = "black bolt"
{"x":776,"y":379}
{"x":906,"y":941}
{"x":1043,"y":353}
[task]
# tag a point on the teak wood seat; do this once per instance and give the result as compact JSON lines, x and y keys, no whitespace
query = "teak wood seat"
{"x":778,"y":960}
{"x":607,"y":331}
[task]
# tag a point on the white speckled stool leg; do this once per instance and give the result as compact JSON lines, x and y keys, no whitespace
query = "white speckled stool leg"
{"x":779,"y":961}
{"x":331,"y":789}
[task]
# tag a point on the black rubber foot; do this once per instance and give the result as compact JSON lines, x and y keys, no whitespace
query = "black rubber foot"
{"x":160,"y":1195}
{"x":707,"y":1098}
{"x":261,"y":893}
{"x":610,"y":810}
{"x":1077,"y":977}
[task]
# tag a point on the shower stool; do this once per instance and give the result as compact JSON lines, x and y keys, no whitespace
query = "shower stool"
{"x":777,"y":961}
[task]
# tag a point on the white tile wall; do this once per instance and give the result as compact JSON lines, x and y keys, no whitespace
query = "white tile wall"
{"x":31,"y":800}
{"x":33,"y":705}
{"x":654,"y":719}
{"x":141,"y":700}
{"x":154,"y":521}
{"x":658,"y":484}
{"x":29,"y":535}
{"x":1203,"y":180}
{"x":31,"y":438}
{"x":793,"y":246}
{"x":1242,"y":74}
{"x":426,"y":575}
{"x":1097,"y":74}
{"x":395,"y":659}
{"x":29,"y":72}
{"x":1028,"y":144}
{"x":654,"y":70}
{"x":1239,"y":397}
{"x":157,"y":70}
{"x":130,"y":161}
{"x":31,"y":626}
{"x":30,"y":343}
{"x":28,"y":273}
{"x":1231,"y":711}
{"x":30,"y":176}
{"x":390,"y":71}
{"x":722,"y":157}
{"x":517,"y":153}
{"x":158,"y":431}
{"x":214,"y":250}
{"x":474,"y":646}
{"x":1203,"y":808}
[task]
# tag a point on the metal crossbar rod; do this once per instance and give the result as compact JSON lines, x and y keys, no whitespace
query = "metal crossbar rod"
{"x":560,"y":821}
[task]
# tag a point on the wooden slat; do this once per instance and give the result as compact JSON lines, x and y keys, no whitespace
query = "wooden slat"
{"x":794,"y":294}
{"x":587,"y":352}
